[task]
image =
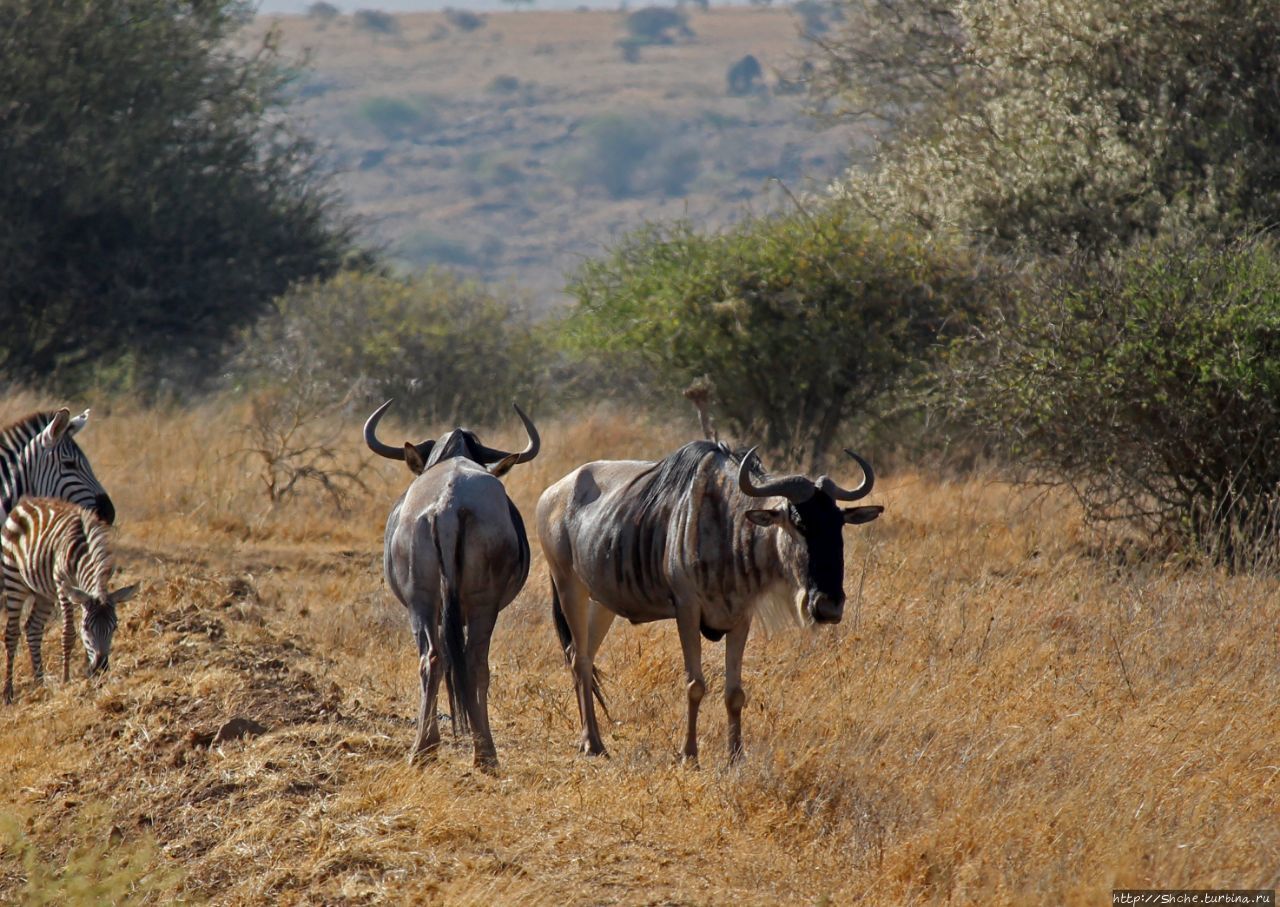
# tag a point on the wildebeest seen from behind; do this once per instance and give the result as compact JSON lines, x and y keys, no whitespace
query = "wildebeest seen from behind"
{"x":455,"y":554}
{"x":703,"y":536}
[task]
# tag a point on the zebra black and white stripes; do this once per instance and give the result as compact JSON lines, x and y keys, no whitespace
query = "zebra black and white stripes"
{"x":53,"y":551}
{"x":40,"y":458}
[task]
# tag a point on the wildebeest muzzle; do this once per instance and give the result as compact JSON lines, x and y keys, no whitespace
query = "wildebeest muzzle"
{"x":824,"y":609}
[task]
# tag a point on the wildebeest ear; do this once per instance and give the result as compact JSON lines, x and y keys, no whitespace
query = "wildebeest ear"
{"x":414,"y":459}
{"x":765,"y":517}
{"x":855,"y":515}
{"x":120,"y":596}
{"x":500,"y":468}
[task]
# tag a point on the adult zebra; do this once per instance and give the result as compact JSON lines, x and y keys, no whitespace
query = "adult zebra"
{"x":40,"y":458}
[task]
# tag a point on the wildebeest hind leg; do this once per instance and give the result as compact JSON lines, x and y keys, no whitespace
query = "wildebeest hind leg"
{"x":430,"y":670}
{"x":479,"y":632}
{"x":572,"y":600}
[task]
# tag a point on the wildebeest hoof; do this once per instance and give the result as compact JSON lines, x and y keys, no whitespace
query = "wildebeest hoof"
{"x":424,"y":755}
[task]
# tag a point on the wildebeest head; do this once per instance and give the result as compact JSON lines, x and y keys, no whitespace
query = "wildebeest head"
{"x":56,"y":466}
{"x":811,"y":542}
{"x":98,"y":625}
{"x":461,"y":442}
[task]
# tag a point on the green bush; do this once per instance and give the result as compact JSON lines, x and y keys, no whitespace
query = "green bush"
{"x":503,"y":84}
{"x":658,"y":25}
{"x":376,"y":21}
{"x":1149,"y":382}
{"x":397,"y":118}
{"x":629,"y":154}
{"x":322,"y":12}
{"x":802,"y":322}
{"x":463,"y":20}
{"x":446,"y":348}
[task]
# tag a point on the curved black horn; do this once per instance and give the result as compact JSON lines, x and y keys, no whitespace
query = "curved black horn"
{"x":493,"y":455}
{"x":826,"y":484}
{"x":371,"y":437}
{"x":796,"y":489}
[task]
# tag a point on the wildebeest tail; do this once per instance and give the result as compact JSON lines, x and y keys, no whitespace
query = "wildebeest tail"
{"x":453,"y":630}
{"x":566,"y":640}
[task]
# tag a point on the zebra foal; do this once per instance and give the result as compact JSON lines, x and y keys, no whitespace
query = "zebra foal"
{"x":53,"y":550}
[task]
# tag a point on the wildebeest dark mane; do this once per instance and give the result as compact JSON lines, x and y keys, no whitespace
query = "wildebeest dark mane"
{"x":673,"y":475}
{"x":463,"y":442}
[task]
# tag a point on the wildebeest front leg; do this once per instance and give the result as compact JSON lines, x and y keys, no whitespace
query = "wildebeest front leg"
{"x":479,"y":632}
{"x":734,"y":696}
{"x":430,"y":670}
{"x":687,"y":622}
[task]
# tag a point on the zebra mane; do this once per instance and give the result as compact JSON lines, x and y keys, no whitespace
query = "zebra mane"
{"x":33,"y":423}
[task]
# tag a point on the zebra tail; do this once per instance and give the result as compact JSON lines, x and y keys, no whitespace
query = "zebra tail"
{"x":454,"y":632}
{"x":566,"y":641}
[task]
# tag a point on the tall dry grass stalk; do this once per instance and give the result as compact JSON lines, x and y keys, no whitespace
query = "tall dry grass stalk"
{"x":1010,"y":714}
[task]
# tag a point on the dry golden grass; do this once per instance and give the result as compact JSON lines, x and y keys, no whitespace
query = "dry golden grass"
{"x":1009,"y":713}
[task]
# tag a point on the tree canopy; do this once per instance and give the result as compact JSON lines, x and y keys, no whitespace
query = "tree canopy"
{"x":154,"y":199}
{"x":1064,"y":125}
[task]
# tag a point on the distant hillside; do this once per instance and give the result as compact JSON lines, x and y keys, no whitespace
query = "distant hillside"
{"x":513,"y":145}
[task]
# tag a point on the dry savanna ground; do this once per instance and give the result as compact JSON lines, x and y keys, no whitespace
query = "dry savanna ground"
{"x":1011,"y":713}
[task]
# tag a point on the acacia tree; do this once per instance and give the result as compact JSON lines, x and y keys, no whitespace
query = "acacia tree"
{"x":154,"y":199}
{"x":1063,"y":125}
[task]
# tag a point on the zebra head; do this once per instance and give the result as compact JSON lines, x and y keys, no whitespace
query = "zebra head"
{"x":99,"y":623}
{"x":811,"y":544}
{"x":51,"y":464}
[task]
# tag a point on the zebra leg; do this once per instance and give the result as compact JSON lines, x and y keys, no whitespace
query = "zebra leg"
{"x":430,"y":670}
{"x":68,"y":635}
{"x":35,"y":635}
{"x":734,"y":696}
{"x":13,"y":612}
{"x":688,"y":623}
{"x":479,"y":633}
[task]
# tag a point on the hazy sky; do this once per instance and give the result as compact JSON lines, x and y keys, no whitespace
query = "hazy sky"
{"x":403,"y":6}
